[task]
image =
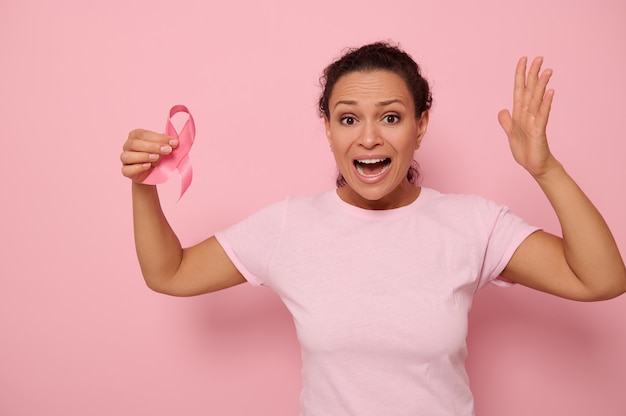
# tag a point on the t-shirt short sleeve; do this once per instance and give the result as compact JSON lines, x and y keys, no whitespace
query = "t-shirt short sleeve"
{"x":251,"y":243}
{"x":505,"y":231}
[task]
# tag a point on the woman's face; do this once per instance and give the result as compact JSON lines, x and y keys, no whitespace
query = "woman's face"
{"x":373,"y":134}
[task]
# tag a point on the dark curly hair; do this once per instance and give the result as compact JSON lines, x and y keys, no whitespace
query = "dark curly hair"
{"x":373,"y":57}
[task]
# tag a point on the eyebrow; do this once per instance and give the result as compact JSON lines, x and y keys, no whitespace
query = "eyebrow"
{"x":378,"y":104}
{"x":346,"y":102}
{"x":386,"y":103}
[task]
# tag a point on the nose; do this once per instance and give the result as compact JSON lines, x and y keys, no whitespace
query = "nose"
{"x":370,"y":136}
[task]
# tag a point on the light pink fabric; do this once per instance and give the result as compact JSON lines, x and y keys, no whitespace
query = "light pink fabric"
{"x":379,"y":298}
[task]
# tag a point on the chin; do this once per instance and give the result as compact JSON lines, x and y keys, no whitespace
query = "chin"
{"x":367,"y":192}
{"x":386,"y":194}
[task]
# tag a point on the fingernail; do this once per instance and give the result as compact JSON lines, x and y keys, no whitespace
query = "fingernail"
{"x":166,"y":149}
{"x":173,"y":142}
{"x":152,"y":156}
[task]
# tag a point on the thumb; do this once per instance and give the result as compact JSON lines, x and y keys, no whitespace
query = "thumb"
{"x":505,"y":120}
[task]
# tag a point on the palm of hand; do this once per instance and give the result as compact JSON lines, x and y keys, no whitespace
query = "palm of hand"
{"x":526,"y":126}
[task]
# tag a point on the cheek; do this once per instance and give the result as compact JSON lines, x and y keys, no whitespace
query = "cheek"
{"x":405,"y":145}
{"x":339,"y":142}
{"x":339,"y":151}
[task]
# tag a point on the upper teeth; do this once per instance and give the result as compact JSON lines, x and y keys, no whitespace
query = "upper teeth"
{"x":370,"y":161}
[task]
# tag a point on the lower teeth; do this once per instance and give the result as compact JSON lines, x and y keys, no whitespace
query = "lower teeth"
{"x":359,"y":168}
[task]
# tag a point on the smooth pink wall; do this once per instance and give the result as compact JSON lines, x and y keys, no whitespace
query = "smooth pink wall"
{"x":81,"y":334}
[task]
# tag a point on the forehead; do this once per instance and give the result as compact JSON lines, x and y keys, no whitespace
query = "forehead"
{"x":377,"y":85}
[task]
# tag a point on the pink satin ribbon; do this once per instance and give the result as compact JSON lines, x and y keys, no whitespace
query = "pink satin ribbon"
{"x":179,"y":158}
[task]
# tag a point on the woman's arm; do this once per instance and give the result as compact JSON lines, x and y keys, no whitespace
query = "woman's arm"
{"x":165,"y":265}
{"x":585,"y":264}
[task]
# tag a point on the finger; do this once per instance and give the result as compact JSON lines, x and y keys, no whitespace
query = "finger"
{"x":539,"y":94}
{"x":531,"y":81}
{"x":150,"y":136}
{"x":132,"y":158}
{"x":136,"y":171}
{"x":149,"y":141}
{"x":147,"y":146}
{"x":544,"y":109}
{"x":519,"y":84}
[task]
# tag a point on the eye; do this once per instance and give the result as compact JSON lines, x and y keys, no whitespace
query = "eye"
{"x":347,"y":120}
{"x":391,"y":118}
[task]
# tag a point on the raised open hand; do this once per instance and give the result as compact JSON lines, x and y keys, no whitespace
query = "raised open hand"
{"x":526,"y":126}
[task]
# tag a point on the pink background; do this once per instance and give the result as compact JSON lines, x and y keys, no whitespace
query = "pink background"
{"x":81,"y":334}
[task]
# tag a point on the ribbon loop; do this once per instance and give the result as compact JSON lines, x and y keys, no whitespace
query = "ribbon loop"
{"x":179,"y":158}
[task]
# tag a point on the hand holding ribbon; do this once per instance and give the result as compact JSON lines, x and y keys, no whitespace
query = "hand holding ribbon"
{"x":179,"y":158}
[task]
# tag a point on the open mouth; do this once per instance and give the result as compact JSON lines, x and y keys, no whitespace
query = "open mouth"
{"x":370,"y":168}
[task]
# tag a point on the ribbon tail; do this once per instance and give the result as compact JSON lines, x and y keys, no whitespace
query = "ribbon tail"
{"x":186,"y":175}
{"x":161,"y":173}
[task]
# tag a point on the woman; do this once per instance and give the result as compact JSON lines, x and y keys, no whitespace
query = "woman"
{"x":379,"y":274}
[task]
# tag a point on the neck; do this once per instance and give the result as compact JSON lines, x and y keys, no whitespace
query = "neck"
{"x":405,"y":194}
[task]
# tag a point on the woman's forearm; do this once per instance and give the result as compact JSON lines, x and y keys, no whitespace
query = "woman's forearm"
{"x":158,"y":249}
{"x":588,"y":244}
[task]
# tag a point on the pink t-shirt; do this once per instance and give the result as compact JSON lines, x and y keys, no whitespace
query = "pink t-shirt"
{"x":379,"y":298}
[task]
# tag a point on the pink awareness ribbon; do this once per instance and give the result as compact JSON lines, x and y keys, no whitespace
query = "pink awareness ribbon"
{"x":178,"y":159}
